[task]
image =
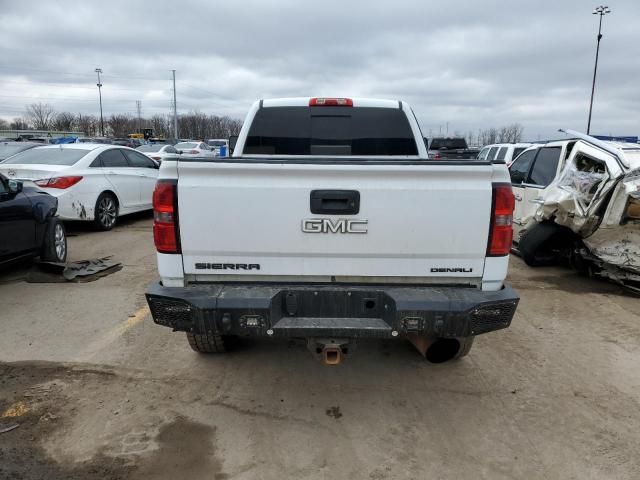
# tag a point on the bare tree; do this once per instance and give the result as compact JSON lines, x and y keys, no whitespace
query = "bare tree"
{"x":507,"y":134}
{"x":19,"y":123}
{"x":41,"y":115}
{"x":4,"y":125}
{"x":161,"y":125}
{"x":121,"y":124}
{"x":64,"y":121}
{"x":88,"y":124}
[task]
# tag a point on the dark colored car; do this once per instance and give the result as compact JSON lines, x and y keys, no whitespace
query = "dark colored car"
{"x":28,"y":224}
{"x":11,"y":148}
{"x":450,"y":148}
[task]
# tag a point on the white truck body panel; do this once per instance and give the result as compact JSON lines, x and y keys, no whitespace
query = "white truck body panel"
{"x":427,"y":222}
{"x":419,"y":218}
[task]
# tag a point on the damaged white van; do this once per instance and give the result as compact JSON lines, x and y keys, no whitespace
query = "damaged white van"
{"x":578,"y":201}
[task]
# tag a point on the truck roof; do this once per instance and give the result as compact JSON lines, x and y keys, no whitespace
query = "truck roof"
{"x":304,"y":102}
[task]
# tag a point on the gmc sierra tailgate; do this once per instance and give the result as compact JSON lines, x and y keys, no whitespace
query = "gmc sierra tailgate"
{"x":420,"y":221}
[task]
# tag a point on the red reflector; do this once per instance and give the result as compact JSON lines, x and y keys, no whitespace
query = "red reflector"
{"x":501,"y":233}
{"x":165,"y":212}
{"x":331,"y":102}
{"x":58,"y":182}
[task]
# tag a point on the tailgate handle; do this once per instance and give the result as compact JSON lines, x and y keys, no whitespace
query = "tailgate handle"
{"x":335,"y":202}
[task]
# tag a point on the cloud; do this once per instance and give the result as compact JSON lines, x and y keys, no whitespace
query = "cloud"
{"x":466,"y":64}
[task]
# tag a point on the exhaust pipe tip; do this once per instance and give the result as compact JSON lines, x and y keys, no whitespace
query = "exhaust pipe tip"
{"x":442,"y":350}
{"x":332,"y":356}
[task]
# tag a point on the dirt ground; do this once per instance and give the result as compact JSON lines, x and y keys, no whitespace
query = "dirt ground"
{"x":98,"y":391}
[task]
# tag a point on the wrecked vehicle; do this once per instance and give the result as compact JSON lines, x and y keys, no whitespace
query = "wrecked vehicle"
{"x":330,"y":224}
{"x":578,"y":201}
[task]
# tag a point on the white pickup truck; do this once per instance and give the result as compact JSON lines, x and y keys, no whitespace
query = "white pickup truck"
{"x":329,"y":223}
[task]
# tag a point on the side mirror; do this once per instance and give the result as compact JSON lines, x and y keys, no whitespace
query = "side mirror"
{"x":233,"y":139}
{"x":516,"y":177}
{"x":14,"y":186}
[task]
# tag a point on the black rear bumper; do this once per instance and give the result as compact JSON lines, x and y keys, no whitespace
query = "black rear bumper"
{"x":344,"y":311}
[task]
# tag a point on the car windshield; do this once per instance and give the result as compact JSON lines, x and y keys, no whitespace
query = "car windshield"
{"x":6,"y":150}
{"x":150,"y":148}
{"x":186,"y":145}
{"x":48,"y":156}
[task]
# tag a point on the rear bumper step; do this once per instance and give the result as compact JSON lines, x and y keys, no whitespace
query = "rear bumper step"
{"x":331,"y":311}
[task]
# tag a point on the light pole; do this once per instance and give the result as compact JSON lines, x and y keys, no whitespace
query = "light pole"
{"x":601,"y":10}
{"x":99,"y":71}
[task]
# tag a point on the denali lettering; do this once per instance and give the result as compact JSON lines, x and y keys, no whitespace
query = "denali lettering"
{"x":451,"y":270}
{"x":227,"y":266}
{"x":339,"y":225}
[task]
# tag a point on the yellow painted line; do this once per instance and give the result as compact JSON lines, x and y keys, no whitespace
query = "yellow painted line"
{"x":16,"y":410}
{"x":113,"y":334}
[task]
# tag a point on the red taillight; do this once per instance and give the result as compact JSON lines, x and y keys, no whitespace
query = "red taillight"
{"x":165,"y":217}
{"x":58,"y":182}
{"x":331,"y":102}
{"x":157,"y":158}
{"x":437,"y":156}
{"x":501,"y":233}
{"x":194,"y":151}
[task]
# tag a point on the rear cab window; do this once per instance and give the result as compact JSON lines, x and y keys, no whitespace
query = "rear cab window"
{"x":333,"y":131}
{"x":502,"y":153}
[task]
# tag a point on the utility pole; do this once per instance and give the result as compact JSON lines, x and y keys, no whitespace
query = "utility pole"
{"x":447,"y":129}
{"x":175,"y":108}
{"x":602,"y":10}
{"x":99,"y":71}
{"x":139,"y":109}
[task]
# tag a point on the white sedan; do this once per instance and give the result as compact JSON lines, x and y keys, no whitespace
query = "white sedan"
{"x":194,"y":148}
{"x":93,"y":182}
{"x":158,"y":151}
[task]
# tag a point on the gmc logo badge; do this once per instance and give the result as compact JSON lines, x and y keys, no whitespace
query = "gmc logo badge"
{"x":338,"y":225}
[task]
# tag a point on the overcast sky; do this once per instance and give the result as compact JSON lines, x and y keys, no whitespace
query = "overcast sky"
{"x":471,"y":64}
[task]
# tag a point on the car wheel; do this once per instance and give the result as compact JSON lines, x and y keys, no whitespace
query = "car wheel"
{"x":536,"y":245}
{"x":209,"y":343}
{"x":54,"y":247}
{"x":106,"y":212}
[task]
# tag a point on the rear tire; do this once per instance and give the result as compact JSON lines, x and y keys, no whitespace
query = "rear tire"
{"x":54,"y":246}
{"x":208,"y":342}
{"x":534,"y":245}
{"x":106,"y":212}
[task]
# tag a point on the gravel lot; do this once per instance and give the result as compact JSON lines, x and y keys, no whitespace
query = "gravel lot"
{"x":98,"y":391}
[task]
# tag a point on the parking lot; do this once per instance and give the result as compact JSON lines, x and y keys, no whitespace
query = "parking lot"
{"x":98,"y":391}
